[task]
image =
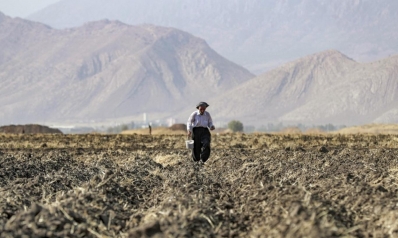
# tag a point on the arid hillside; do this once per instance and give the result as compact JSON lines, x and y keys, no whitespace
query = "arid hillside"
{"x":110,"y":71}
{"x":258,"y":34}
{"x":374,"y":129}
{"x":105,"y":69}
{"x":326,"y":87}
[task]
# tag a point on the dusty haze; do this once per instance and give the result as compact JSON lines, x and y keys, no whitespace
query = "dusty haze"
{"x":337,"y":62}
{"x":105,"y":69}
{"x":258,"y":34}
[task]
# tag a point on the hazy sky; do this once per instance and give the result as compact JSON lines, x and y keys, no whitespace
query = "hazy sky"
{"x":23,"y":8}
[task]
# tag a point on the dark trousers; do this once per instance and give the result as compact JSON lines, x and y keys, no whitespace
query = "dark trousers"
{"x":201,"y":145}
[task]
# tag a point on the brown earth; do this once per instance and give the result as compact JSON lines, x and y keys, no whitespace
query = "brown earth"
{"x":371,"y":129}
{"x":30,"y":128}
{"x":257,"y":185}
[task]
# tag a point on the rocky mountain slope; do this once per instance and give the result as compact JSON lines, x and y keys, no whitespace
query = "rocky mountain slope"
{"x":105,"y":69}
{"x":257,"y":34}
{"x":327,"y":87}
{"x":110,"y":70}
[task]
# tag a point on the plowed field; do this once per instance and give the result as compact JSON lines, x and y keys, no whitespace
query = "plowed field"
{"x":256,"y":185}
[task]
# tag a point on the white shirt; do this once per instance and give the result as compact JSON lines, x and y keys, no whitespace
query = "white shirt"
{"x":197,"y":120}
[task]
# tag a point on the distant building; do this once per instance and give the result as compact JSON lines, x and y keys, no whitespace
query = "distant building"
{"x":145,"y":118}
{"x":171,"y":121}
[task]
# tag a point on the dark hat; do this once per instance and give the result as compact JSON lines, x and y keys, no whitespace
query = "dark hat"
{"x":202,"y":104}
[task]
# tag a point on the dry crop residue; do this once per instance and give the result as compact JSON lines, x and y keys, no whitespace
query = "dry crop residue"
{"x":256,"y":185}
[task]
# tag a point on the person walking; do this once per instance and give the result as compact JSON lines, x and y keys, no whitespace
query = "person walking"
{"x":198,"y":125}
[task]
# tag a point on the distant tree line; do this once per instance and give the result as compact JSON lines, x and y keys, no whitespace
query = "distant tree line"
{"x":271,"y":127}
{"x":237,"y":126}
{"x":119,"y":128}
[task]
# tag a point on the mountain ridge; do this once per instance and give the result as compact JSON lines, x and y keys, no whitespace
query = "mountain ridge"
{"x":258,"y":34}
{"x":106,"y":69}
{"x":326,"y":87}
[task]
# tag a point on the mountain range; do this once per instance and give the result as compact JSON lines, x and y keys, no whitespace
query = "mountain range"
{"x":257,"y":34}
{"x":105,"y":69}
{"x":326,"y":87}
{"x":108,"y":70}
